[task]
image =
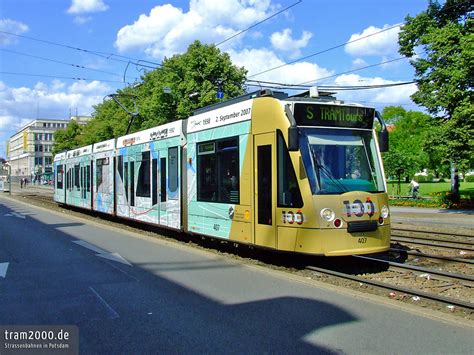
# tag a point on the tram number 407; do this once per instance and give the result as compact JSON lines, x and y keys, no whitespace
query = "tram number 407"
{"x":362,"y":240}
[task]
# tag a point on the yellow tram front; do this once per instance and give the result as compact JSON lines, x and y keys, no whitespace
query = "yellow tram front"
{"x":331,"y":190}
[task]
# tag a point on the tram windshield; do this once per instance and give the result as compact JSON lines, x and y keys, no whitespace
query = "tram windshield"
{"x":341,"y":160}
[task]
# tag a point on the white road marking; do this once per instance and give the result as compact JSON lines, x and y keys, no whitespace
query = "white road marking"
{"x":114,"y":257}
{"x":110,"y":310}
{"x":3,"y":269}
{"x":102,"y":253}
{"x":89,"y":246}
{"x":14,"y":214}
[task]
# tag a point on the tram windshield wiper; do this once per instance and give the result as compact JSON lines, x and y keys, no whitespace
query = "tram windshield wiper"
{"x":321,"y":168}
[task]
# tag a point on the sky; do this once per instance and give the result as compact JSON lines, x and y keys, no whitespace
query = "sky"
{"x":60,"y":57}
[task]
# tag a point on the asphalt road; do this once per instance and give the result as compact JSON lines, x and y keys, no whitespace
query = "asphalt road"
{"x":133,"y":294}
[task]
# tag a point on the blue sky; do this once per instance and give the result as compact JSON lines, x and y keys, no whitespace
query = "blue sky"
{"x":35,"y":75}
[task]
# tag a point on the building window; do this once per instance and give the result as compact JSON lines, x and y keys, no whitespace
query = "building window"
{"x":218,"y":171}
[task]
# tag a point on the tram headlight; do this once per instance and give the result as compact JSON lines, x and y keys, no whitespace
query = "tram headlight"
{"x":328,"y":214}
{"x":384,"y":212}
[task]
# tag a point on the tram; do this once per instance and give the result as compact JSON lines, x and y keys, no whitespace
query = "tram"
{"x":293,"y":173}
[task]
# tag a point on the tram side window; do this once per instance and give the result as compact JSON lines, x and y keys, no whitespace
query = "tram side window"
{"x":99,"y":178}
{"x":68,"y":183}
{"x":289,"y":194}
{"x":163,"y":179}
{"x":68,"y":179}
{"x":59,"y":177}
{"x":88,"y":178}
{"x":173,"y":171}
{"x":120,"y":166}
{"x":125,"y":184}
{"x":77,"y":182}
{"x":154,"y":181}
{"x":218,"y":171}
{"x":143,"y":182}
{"x":132,"y":183}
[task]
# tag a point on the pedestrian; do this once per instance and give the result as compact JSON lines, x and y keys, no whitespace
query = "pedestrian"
{"x":414,"y":187}
{"x":21,"y":183}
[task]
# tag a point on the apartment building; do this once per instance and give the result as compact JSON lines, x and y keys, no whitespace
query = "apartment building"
{"x":29,"y":151}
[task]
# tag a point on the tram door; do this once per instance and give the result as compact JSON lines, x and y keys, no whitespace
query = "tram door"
{"x":264,"y":181}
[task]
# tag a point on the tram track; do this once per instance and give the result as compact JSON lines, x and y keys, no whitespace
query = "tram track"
{"x":432,"y":256}
{"x":450,"y":281}
{"x":420,"y":269}
{"x":380,"y":278}
{"x":435,"y":243}
{"x":441,"y":239}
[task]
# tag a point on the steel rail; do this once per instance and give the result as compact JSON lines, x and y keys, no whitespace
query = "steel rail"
{"x":432,"y":256}
{"x":417,"y":268}
{"x":431,"y":296}
{"x":442,"y":244}
{"x":433,"y":239}
{"x":432,"y":232}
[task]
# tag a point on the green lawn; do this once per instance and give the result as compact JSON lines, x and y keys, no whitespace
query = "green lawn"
{"x":428,"y":188}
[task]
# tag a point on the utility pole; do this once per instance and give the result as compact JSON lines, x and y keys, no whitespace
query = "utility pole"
{"x":9,"y":177}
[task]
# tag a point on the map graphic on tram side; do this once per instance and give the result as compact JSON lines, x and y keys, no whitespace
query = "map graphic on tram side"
{"x":310,"y":114}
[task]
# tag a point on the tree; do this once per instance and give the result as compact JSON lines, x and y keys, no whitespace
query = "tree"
{"x":193,"y":79}
{"x":182,"y":84}
{"x":66,"y":139}
{"x":441,"y":42}
{"x":408,"y":150}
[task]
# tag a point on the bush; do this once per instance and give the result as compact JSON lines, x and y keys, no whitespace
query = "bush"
{"x":424,"y":178}
{"x":469,"y":178}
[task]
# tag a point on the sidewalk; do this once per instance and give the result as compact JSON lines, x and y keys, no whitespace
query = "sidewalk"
{"x":440,"y":217}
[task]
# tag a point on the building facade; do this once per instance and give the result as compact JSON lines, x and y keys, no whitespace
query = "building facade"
{"x":29,"y":151}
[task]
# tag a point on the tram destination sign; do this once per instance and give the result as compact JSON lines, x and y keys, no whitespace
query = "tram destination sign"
{"x":307,"y":114}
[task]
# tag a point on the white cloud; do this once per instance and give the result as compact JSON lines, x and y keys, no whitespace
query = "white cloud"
{"x":86,"y":6}
{"x":384,"y":43}
{"x":359,"y":63}
{"x":284,"y":42}
{"x":81,"y":20}
{"x":11,"y":26}
{"x":20,"y":105}
{"x":168,"y":30}
{"x":5,"y":122}
{"x":257,"y":60}
{"x":384,"y":96}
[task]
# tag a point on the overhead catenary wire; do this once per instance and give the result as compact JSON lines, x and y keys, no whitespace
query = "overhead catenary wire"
{"x":60,"y":77}
{"x":354,"y":70}
{"x":345,"y":43}
{"x":60,"y":62}
{"x":258,"y":23}
{"x":325,"y":50}
{"x":274,"y":85}
{"x":105,"y":55}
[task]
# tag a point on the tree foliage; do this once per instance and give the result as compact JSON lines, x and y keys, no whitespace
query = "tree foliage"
{"x":66,"y":139}
{"x":182,"y":84}
{"x":408,"y":152}
{"x":441,"y":42}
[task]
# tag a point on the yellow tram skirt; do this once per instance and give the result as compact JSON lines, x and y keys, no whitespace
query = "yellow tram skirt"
{"x":333,"y":242}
